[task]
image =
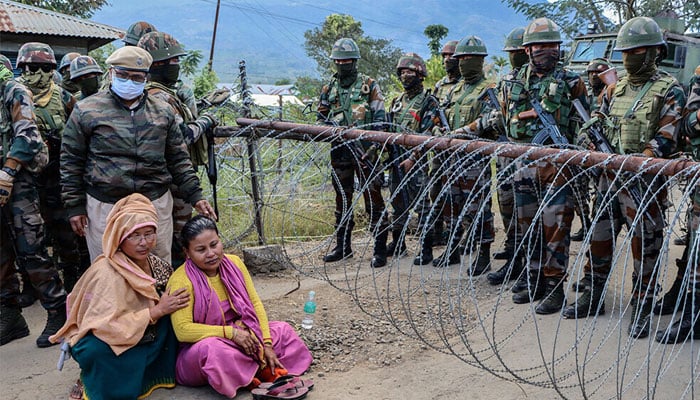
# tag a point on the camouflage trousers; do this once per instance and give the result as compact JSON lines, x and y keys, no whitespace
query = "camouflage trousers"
{"x":506,"y":200}
{"x":694,"y":236}
{"x":409,"y":193}
{"x":544,"y":186}
{"x":182,"y":212}
{"x":346,"y":166}
{"x":614,"y":207}
{"x":465,"y":199}
{"x":29,"y":248}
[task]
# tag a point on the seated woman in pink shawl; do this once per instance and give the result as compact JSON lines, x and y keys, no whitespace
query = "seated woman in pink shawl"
{"x":118,"y":324}
{"x":226,"y":339}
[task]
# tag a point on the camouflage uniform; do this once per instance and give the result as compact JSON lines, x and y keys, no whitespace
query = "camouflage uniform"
{"x":358,"y":103}
{"x":543,"y":185}
{"x":64,"y":69}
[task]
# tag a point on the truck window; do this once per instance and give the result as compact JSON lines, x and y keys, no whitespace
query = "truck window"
{"x":586,"y":51}
{"x":675,"y":56}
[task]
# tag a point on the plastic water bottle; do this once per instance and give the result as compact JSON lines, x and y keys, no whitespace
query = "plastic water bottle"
{"x":309,"y":310}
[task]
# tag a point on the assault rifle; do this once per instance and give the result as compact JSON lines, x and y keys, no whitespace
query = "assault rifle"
{"x":601,"y":143}
{"x":550,"y":129}
{"x":432,"y":114}
{"x":489,"y":95}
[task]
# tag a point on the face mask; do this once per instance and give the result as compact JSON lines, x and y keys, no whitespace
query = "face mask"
{"x":596,"y":84}
{"x":518,"y":59}
{"x":37,"y":81}
{"x":471,"y":68}
{"x":639,"y":67}
{"x":452,"y":66}
{"x":67,"y":84}
{"x":89,"y":86}
{"x":166,"y":74}
{"x":544,"y":60}
{"x":410,"y":82}
{"x":347,"y":73}
{"x":126,"y":88}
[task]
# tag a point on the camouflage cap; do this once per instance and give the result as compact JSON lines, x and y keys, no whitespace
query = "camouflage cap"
{"x":83,"y":65}
{"x":131,"y":58}
{"x":6,"y":62}
{"x":514,"y":40}
{"x":449,"y":47}
{"x":161,"y":46}
{"x":136,"y":31}
{"x":470,"y":46}
{"x":66,"y":60}
{"x":35,"y":53}
{"x":541,"y":30}
{"x":598,"y":65}
{"x":639,"y":32}
{"x":412,"y":61}
{"x":344,"y":49}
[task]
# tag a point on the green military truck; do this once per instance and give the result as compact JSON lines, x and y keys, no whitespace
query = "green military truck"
{"x":682,"y":57}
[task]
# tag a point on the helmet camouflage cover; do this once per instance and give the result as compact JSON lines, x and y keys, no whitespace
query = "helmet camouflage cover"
{"x":449,"y":47}
{"x":161,"y":46}
{"x":598,"y":65}
{"x":639,"y":32}
{"x":83,"y":65}
{"x":412,"y":61}
{"x":514,"y":40}
{"x":66,"y":60}
{"x":541,"y":30}
{"x":470,"y":46}
{"x":6,"y":62}
{"x":35,"y":53}
{"x":136,"y":31}
{"x":344,"y":49}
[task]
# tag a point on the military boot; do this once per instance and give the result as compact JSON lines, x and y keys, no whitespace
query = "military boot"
{"x":534,"y":288}
{"x":54,"y":322}
{"x":687,"y":326}
{"x":343,"y":248}
{"x":581,"y":233}
{"x":426,"y":250}
{"x":380,"y":250}
{"x":510,"y":270}
{"x":583,"y":284}
{"x":591,"y":302}
{"x":676,"y":295}
{"x":394,"y":250}
{"x":439,"y":237}
{"x":553,"y":298}
{"x":12,"y":324}
{"x":452,"y":253}
{"x":483,"y":261}
{"x":505,"y":254}
{"x":29,"y":295}
{"x":640,"y":320}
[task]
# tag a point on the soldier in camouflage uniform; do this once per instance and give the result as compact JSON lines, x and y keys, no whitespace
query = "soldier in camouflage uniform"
{"x":122,"y":141}
{"x":506,"y":196}
{"x":131,"y":38}
{"x":164,"y":75}
{"x":24,"y":156}
{"x":641,"y":113}
{"x":86,"y":74}
{"x":469,"y":186}
{"x":353,"y":99}
{"x":542,"y":184}
{"x":67,"y":82}
{"x":686,"y":299}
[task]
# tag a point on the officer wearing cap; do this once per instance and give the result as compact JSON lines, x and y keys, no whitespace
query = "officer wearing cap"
{"x":99,"y":161}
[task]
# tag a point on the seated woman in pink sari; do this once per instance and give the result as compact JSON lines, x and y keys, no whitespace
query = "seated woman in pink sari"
{"x":226,"y":339}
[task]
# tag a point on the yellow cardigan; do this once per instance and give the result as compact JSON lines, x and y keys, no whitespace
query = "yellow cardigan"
{"x":187,"y":331}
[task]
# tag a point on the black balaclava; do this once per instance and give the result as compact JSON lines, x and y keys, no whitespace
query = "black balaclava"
{"x":347,"y":73}
{"x":412,"y":85}
{"x":452,"y":68}
{"x":518,"y":58}
{"x":167,"y":74}
{"x":471,"y":69}
{"x":544,"y":60}
{"x":640,"y":67}
{"x":90,"y":86}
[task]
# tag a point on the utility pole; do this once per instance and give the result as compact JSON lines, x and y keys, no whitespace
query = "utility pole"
{"x":213,"y":36}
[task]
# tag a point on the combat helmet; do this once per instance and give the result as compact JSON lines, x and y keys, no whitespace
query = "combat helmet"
{"x":514,"y":40}
{"x":83,"y":65}
{"x":6,"y":62}
{"x":598,"y":64}
{"x":412,"y":61}
{"x":35,"y":53}
{"x":639,"y":32}
{"x":66,"y":60}
{"x":449,"y":47}
{"x":136,"y":31}
{"x":541,"y":30}
{"x":161,"y":46}
{"x":344,"y":49}
{"x":470,"y":46}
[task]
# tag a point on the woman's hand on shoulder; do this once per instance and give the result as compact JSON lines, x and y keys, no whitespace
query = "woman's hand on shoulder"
{"x":172,"y":301}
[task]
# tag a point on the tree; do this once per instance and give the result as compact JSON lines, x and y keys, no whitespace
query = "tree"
{"x":436,"y":70}
{"x":283,"y":81}
{"x":100,"y":55}
{"x":499,"y":63}
{"x":435,"y":33}
{"x":190,"y":62}
{"x":205,"y":82}
{"x":379,"y":57}
{"x":76,"y":8}
{"x":307,"y":88}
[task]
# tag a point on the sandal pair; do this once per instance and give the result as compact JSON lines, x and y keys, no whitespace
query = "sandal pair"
{"x":286,"y":387}
{"x":298,"y":382}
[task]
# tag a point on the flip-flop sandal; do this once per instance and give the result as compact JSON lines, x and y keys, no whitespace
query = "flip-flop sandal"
{"x":76,"y":392}
{"x":298,"y":382}
{"x":283,"y":391}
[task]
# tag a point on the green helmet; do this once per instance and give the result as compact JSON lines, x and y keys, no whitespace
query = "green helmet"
{"x":412,"y":61}
{"x":66,"y":60}
{"x":514,"y":40}
{"x":6,"y":62}
{"x":598,"y":65}
{"x":345,"y":48}
{"x":470,"y":46}
{"x":136,"y":31}
{"x":449,"y":47}
{"x":35,"y":53}
{"x":541,"y":30}
{"x":83,"y":65}
{"x":161,"y":46}
{"x":639,"y":32}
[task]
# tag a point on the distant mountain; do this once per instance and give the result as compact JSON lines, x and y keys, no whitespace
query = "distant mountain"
{"x":269,"y":34}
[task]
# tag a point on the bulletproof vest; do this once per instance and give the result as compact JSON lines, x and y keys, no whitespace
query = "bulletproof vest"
{"x":464,"y":105}
{"x":633,"y":123}
{"x":350,"y":106}
{"x":406,"y":112}
{"x":554,"y":95}
{"x":443,"y":88}
{"x":51,"y":120}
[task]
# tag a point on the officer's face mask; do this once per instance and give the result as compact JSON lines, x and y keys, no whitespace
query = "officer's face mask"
{"x":126,"y":88}
{"x":166,"y":74}
{"x":89,"y":86}
{"x":518,"y":58}
{"x":639,"y":66}
{"x":544,"y":59}
{"x":471,"y":68}
{"x":38,"y":80}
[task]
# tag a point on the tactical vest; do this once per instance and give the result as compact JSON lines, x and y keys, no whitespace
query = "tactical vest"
{"x":635,"y":122}
{"x":554,"y":95}
{"x":443,"y":88}
{"x":465,"y":107}
{"x":51,"y":120}
{"x":350,"y":106}
{"x":407,"y":112}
